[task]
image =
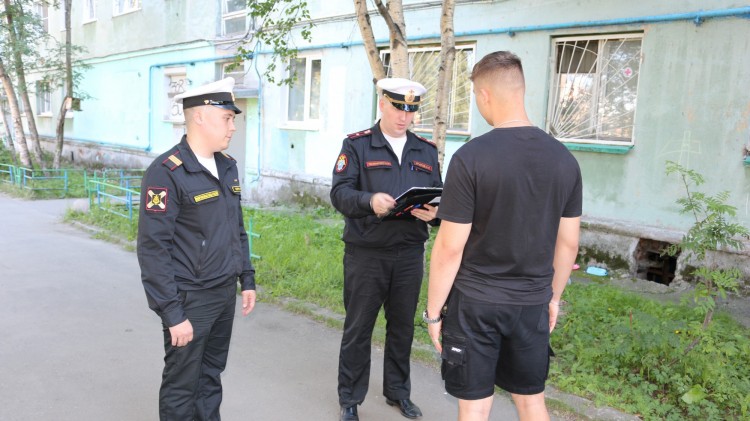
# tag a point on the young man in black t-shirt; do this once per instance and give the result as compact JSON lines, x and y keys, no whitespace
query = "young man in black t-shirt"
{"x":510,"y":211}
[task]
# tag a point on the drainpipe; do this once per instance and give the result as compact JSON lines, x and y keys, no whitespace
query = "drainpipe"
{"x":260,"y":108}
{"x":150,"y":86}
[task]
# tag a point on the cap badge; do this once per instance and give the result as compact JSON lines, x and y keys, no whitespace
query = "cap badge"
{"x":409,"y":97}
{"x":206,"y":101}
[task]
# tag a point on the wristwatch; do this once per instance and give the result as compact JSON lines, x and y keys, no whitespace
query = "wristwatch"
{"x":429,"y":321}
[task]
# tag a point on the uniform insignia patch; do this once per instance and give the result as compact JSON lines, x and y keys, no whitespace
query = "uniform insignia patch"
{"x":237,"y":189}
{"x":205,"y":196}
{"x":425,"y":140}
{"x":157,"y":199}
{"x":421,"y":166}
{"x":342,"y":163}
{"x":357,"y":135}
{"x":172,"y":161}
{"x":378,"y":164}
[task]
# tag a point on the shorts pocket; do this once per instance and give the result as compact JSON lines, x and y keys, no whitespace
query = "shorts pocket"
{"x":543,"y":325}
{"x":453,"y":367}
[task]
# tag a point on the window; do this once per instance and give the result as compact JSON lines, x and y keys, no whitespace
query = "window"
{"x":236,"y":72}
{"x":40,"y":9}
{"x":594,"y":89}
{"x":176,"y":82}
{"x":234,"y":18}
{"x":43,"y":99}
{"x":423,"y":64}
{"x":304,"y":95}
{"x":89,"y":10}
{"x":126,"y":6}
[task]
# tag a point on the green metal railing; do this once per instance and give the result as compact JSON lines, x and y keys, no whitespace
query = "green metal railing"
{"x":113,"y":198}
{"x":250,"y":236}
{"x":8,"y":173}
{"x":116,"y":191}
{"x":37,"y":180}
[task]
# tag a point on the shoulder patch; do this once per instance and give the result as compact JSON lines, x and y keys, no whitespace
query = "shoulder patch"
{"x":425,"y":140}
{"x":172,"y":161}
{"x":228,"y":156}
{"x":357,"y":135}
{"x":156,"y":199}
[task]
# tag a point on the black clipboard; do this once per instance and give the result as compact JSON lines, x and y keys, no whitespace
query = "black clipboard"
{"x":413,"y":198}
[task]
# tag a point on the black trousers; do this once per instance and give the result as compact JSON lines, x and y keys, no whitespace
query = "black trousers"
{"x":191,"y":382}
{"x":373,"y":278}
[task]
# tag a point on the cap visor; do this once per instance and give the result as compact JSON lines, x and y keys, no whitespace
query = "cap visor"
{"x":230,"y":107}
{"x":406,"y":107}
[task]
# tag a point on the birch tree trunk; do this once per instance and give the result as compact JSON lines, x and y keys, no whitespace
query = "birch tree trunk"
{"x":9,"y":136}
{"x":371,"y":49}
{"x":22,"y":89}
{"x":10,"y":92}
{"x":445,"y":77}
{"x":68,"y":91}
{"x":393,"y":14}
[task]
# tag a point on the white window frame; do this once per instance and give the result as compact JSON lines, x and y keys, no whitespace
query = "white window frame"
{"x":431,"y":90}
{"x":123,"y":7}
{"x":307,"y":123}
{"x":43,"y":99}
{"x":238,"y":74}
{"x":88,"y":6}
{"x":226,"y":15}
{"x":175,"y":82}
{"x":598,"y":96}
{"x":42,"y":12}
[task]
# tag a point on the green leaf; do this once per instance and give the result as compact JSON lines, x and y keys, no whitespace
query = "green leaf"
{"x":694,"y":395}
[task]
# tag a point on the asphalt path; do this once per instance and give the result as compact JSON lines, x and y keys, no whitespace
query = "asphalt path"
{"x":78,"y":342}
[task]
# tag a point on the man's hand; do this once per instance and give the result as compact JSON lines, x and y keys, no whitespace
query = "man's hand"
{"x":381,"y":203}
{"x":248,"y":301}
{"x":427,"y":213}
{"x":434,"y":330}
{"x":554,"y":310}
{"x":181,"y":333}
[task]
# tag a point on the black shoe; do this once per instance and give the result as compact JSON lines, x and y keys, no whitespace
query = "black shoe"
{"x":407,"y":407}
{"x":349,"y":414}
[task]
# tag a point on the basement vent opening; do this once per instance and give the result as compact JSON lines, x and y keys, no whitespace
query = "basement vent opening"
{"x":652,"y":265}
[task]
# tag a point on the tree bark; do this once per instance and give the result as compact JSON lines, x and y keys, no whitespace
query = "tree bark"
{"x":445,"y":77}
{"x":60,"y":131}
{"x":15,"y":112}
{"x":20,"y":74}
{"x":371,"y":49}
{"x":9,"y":137}
{"x":393,"y":14}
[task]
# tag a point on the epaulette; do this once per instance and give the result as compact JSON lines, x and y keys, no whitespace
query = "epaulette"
{"x":172,"y":161}
{"x":424,"y":139}
{"x":357,"y":135}
{"x":228,"y":156}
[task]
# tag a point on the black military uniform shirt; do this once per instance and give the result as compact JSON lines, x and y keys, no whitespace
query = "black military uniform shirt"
{"x":191,"y":233}
{"x":368,"y":165}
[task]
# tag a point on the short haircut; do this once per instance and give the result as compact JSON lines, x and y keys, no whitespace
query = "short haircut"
{"x":499,"y":63}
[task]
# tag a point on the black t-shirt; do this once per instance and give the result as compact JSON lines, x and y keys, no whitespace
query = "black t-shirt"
{"x":513,"y":185}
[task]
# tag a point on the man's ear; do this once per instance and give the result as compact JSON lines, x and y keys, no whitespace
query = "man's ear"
{"x":484,"y":95}
{"x":197,"y":115}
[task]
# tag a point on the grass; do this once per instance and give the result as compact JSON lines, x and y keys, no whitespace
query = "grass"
{"x":613,"y":347}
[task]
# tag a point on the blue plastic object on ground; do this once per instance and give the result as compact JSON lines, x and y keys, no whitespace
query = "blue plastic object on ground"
{"x":597,"y":271}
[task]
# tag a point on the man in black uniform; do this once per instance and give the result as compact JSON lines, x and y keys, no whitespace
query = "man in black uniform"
{"x":193,"y":249}
{"x":383,"y":259}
